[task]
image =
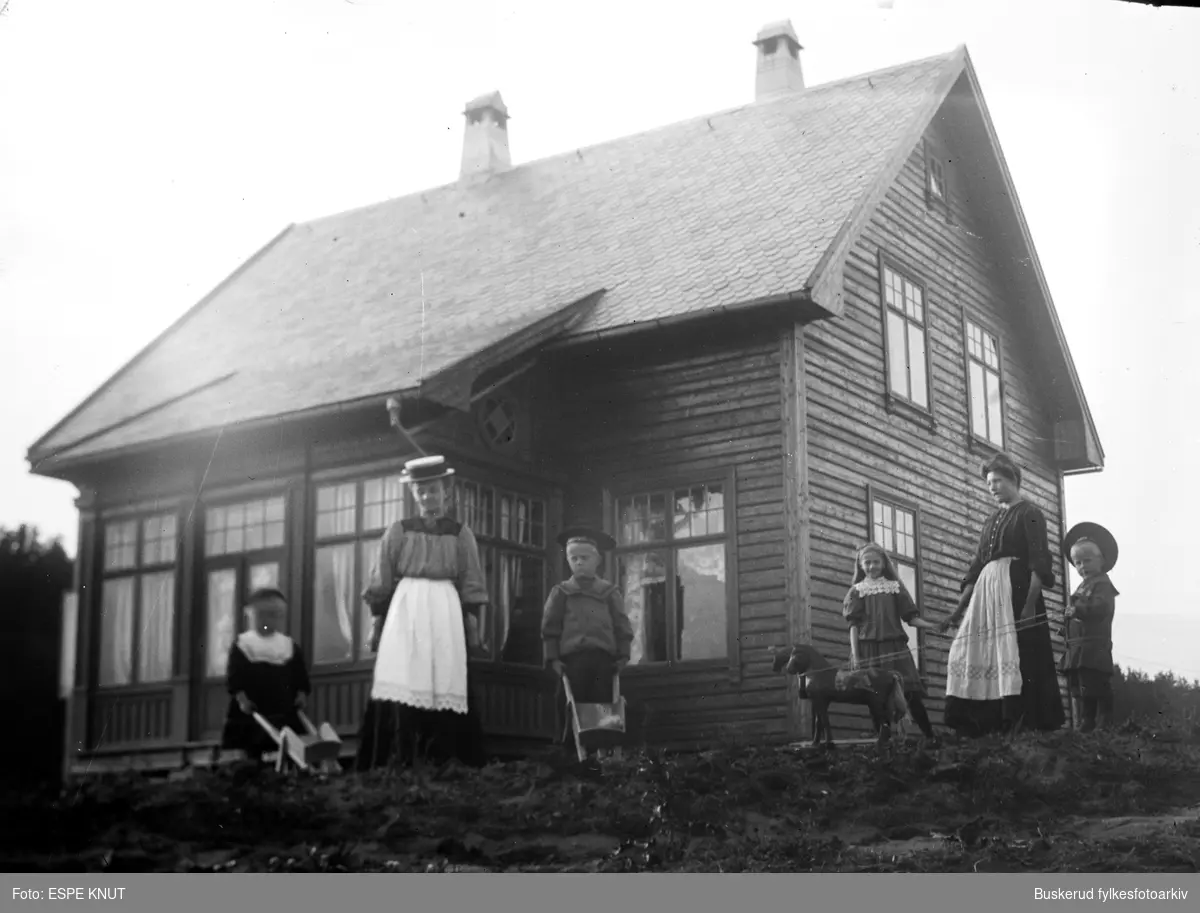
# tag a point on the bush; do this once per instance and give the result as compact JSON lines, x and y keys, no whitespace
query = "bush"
{"x":1162,"y":700}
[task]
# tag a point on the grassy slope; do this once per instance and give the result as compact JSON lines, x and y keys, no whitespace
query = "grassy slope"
{"x":1061,"y":802}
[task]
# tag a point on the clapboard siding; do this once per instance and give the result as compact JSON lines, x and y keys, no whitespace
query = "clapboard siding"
{"x":676,"y":405}
{"x":855,"y":440}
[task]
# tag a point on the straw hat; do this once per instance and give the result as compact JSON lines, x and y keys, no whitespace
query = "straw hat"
{"x":426,"y":469}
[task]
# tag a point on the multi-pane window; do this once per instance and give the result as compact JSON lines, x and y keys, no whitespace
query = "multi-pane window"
{"x":983,"y":378}
{"x":895,"y":529}
{"x":672,"y":550}
{"x":351,"y":518}
{"x":905,"y":332}
{"x":243,"y":547}
{"x":510,"y":528}
{"x":137,"y":603}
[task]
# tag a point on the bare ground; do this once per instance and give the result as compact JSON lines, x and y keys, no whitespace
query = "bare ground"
{"x":1065,"y":802}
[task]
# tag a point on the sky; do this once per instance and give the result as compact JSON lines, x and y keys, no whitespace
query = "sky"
{"x":148,"y":148}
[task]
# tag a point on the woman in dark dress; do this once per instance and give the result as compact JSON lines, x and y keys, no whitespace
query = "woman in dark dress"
{"x":1001,"y":669}
{"x":265,"y":674}
{"x":426,"y":583}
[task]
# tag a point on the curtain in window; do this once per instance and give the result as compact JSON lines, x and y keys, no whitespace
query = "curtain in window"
{"x":333,"y":622}
{"x":116,"y":632}
{"x":156,"y":643}
{"x":220,"y":621}
{"x":509,"y":585}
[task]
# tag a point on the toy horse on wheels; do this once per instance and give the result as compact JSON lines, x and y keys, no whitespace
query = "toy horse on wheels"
{"x":880,"y":690}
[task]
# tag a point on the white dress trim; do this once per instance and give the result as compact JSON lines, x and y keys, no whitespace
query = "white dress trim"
{"x":878,"y":586}
{"x":984,"y":663}
{"x":422,"y":659}
{"x":276,"y":649}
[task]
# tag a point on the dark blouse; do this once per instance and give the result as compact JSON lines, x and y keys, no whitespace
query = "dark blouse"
{"x":272,"y":686}
{"x":442,"y":550}
{"x":1018,"y":532}
{"x":1089,"y":632}
{"x":877,"y":607}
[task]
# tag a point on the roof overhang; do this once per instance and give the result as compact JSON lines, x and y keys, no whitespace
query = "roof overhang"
{"x":454,"y":387}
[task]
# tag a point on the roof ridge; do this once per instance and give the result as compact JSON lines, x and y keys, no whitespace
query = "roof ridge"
{"x":566,"y":154}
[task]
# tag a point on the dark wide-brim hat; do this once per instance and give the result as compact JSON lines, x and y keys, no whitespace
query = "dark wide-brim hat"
{"x":1093,"y":532}
{"x":426,"y":469}
{"x":597,"y":537}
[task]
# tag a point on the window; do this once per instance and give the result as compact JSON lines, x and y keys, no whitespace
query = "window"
{"x":137,"y":602}
{"x":895,"y":528}
{"x":351,"y":518}
{"x":510,"y":528}
{"x":983,"y":381}
{"x":905,"y":336}
{"x":243,"y":550}
{"x":672,"y":559}
{"x":937,"y":189}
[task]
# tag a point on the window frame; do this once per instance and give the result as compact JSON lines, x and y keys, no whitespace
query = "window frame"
{"x":934,"y":154}
{"x":666,"y":484}
{"x":137,"y":572}
{"x":981,"y":441}
{"x":491,"y":542}
{"x":900,"y":402}
{"x":241,"y":562}
{"x":878,"y":495}
{"x":358,"y":477}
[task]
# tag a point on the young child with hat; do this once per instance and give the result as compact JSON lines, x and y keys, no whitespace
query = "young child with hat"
{"x":585,"y":631}
{"x":1087,"y":661}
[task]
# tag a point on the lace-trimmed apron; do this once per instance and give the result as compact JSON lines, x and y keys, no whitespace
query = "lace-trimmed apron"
{"x":422,"y":660}
{"x":984,"y":663}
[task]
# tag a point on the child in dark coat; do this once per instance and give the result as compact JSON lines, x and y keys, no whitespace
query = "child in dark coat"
{"x":1088,"y":662}
{"x":585,"y":631}
{"x":266,"y":673}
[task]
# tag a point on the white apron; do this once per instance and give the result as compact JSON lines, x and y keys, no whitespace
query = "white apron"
{"x":422,"y":659}
{"x":984,"y":664}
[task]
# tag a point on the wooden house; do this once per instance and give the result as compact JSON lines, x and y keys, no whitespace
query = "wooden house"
{"x":744,"y":343}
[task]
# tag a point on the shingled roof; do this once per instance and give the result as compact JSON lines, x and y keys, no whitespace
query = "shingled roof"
{"x":712,"y":213}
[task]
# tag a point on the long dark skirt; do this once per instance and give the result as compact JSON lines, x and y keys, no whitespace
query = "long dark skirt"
{"x":1039,"y":705}
{"x":396,"y":735}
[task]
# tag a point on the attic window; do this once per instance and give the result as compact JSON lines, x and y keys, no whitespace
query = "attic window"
{"x":937,"y":187}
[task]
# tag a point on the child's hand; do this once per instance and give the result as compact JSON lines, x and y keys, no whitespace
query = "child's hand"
{"x":1070,"y":612}
{"x":301,"y":701}
{"x":558,"y":667}
{"x":245,"y":704}
{"x":621,"y":664}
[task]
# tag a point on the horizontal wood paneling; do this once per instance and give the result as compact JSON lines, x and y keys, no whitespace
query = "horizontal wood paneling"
{"x":677,"y":406}
{"x":854,"y":440}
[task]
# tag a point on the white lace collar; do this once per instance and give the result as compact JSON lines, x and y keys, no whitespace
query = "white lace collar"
{"x":869,"y":587}
{"x":276,"y":649}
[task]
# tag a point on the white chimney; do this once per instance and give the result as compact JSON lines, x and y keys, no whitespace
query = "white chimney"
{"x":778,"y":71}
{"x":485,"y":140}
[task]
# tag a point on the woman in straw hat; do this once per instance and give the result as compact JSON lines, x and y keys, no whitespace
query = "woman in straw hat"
{"x":1001,"y":669}
{"x":1088,"y":662}
{"x":427,"y":579}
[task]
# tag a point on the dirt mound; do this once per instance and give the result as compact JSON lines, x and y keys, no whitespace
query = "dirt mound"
{"x":1062,"y":802}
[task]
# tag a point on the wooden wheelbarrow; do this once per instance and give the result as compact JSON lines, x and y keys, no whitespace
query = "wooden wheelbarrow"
{"x":316,"y":749}
{"x":602,"y":724}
